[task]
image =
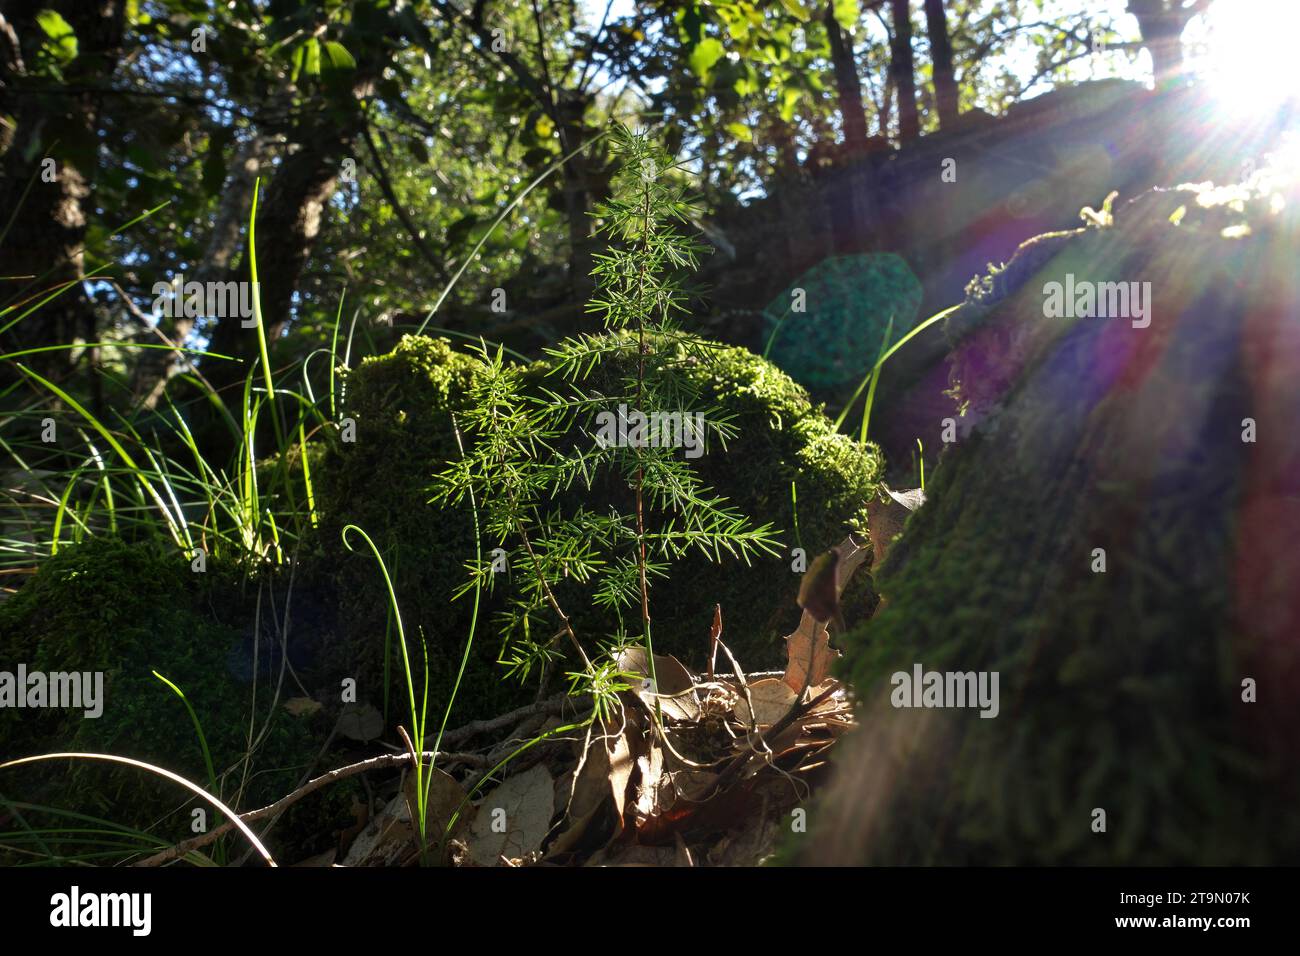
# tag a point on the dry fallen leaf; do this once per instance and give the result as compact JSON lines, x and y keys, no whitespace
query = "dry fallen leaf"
{"x":301,"y":706}
{"x":573,"y":835}
{"x":809,"y":653}
{"x":675,"y":691}
{"x":772,"y":698}
{"x":514,"y":818}
{"x":651,"y":767}
{"x":789,"y":738}
{"x":808,"y":650}
{"x":621,"y":762}
{"x":680,"y":794}
{"x":386,"y":839}
{"x":819,"y":592}
{"x":390,"y":836}
{"x":885,"y":519}
{"x":360,"y":722}
{"x":591,"y":788}
{"x":361,"y":816}
{"x":604,"y":776}
{"x":751,"y":846}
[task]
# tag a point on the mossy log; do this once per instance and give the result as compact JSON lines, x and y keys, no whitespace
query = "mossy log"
{"x":1161,"y":690}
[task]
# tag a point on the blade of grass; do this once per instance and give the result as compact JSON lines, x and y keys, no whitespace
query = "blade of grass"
{"x":198,"y":729}
{"x":417,"y":719}
{"x":198,"y":791}
{"x":921,"y":327}
{"x":875,"y":378}
{"x":114,"y":444}
{"x":63,"y":509}
{"x":767,"y":349}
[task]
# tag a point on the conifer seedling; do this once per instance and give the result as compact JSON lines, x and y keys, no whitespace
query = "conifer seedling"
{"x":613,"y":412}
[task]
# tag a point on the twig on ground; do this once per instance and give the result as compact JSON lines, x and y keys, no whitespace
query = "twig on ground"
{"x":374,"y":763}
{"x":548,"y":707}
{"x":744,"y":685}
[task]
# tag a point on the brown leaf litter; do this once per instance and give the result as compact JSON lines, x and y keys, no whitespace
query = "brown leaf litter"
{"x":690,"y":769}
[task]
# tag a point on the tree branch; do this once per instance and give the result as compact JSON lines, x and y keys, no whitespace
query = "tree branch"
{"x":474,"y":24}
{"x":386,"y":187}
{"x":342,"y":773}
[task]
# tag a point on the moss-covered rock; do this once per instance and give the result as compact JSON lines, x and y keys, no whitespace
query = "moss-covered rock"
{"x":127,"y":610}
{"x":1120,"y":690}
{"x":402,"y":405}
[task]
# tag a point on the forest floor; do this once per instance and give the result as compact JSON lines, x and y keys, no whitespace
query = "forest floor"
{"x":715,"y":778}
{"x":709,"y":769}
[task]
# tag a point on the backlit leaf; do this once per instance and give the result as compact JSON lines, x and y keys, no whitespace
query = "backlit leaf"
{"x":846,"y":14}
{"x":313,"y":57}
{"x":62,"y":43}
{"x":706,"y":53}
{"x":796,"y":10}
{"x":741,"y":132}
{"x":338,"y":56}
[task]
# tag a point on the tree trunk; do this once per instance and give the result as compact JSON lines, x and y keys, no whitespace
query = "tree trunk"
{"x":154,"y":367}
{"x":886,"y":108}
{"x":576,"y":192}
{"x":1161,"y":24}
{"x":853,"y":117}
{"x":945,"y":83}
{"x":567,"y":109}
{"x":288,"y":222}
{"x":42,"y":247}
{"x":903,"y":68}
{"x":786,"y":164}
{"x":290,"y":209}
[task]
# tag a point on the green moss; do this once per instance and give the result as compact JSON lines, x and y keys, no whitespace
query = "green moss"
{"x":402,"y":404}
{"x":127,"y":610}
{"x":1119,"y":690}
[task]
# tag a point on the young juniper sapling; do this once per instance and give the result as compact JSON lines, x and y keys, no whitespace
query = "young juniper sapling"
{"x":542,"y":460}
